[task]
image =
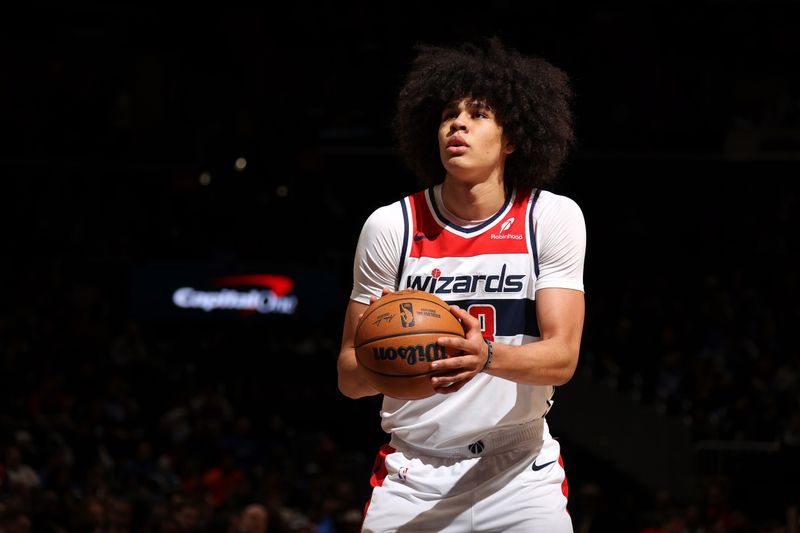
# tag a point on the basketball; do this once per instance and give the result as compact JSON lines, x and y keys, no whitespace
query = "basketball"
{"x":395,"y":342}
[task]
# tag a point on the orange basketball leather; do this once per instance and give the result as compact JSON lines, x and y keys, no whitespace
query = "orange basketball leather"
{"x":395,"y":342}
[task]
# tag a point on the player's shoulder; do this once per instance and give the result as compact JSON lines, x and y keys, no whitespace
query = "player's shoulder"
{"x":389,"y":217}
{"x":388,"y":213}
{"x":551,"y":204}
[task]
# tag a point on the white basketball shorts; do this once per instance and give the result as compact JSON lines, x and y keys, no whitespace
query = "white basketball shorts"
{"x":510,"y":489}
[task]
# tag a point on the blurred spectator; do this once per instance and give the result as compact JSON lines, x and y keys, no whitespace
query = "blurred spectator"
{"x":18,"y":475}
{"x":254,"y":519}
{"x":221,"y":481}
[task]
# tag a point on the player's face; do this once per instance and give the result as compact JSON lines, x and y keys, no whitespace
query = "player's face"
{"x":471,"y":141}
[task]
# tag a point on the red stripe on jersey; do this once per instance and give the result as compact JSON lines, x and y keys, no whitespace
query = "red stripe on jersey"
{"x":564,"y":484}
{"x":431,"y":239}
{"x":378,"y":473}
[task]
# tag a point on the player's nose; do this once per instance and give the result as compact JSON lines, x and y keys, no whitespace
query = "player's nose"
{"x":459,"y":123}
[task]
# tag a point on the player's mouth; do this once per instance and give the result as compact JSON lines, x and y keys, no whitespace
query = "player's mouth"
{"x":457,"y":145}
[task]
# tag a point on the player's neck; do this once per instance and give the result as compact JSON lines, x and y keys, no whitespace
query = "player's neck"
{"x":473,"y":201}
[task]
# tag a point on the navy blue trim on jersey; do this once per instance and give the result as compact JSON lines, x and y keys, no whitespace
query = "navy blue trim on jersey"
{"x":533,"y":235}
{"x":479,"y":227}
{"x":406,"y":231}
{"x":514,"y":317}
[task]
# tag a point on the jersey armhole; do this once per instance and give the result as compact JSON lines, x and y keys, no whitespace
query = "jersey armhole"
{"x":404,"y":250}
{"x":532,"y":232}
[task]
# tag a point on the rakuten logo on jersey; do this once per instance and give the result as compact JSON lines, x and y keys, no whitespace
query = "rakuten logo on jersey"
{"x":438,"y":284}
{"x":505,"y":227}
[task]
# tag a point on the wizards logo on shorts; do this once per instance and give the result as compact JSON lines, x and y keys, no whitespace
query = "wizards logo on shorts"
{"x":407,"y":314}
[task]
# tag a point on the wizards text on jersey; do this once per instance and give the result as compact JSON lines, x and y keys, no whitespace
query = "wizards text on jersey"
{"x":479,"y":268}
{"x":468,"y":284}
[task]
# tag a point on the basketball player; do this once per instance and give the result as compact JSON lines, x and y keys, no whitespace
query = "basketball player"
{"x":508,"y":256}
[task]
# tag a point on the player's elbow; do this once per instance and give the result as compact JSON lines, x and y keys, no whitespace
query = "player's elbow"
{"x":354,"y":391}
{"x":564,"y":368}
{"x":346,"y":388}
{"x":563,"y":376}
{"x":345,"y":382}
{"x":346,"y":391}
{"x":567,"y":368}
{"x":350,"y":382}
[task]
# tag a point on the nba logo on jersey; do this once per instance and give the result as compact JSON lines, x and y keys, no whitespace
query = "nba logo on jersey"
{"x":407,"y":314}
{"x":403,"y":473}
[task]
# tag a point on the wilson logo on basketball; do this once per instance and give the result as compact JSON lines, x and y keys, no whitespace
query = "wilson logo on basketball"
{"x":396,"y":354}
{"x":411,"y":354}
{"x":407,"y":314}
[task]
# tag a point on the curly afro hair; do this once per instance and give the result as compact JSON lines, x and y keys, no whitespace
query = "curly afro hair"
{"x":529,"y":96}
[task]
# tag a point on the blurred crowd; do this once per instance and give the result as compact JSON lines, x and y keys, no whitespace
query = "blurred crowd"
{"x":704,"y":330}
{"x":114,"y":424}
{"x":132,"y":432}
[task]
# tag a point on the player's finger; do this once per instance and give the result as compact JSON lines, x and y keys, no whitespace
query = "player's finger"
{"x":446,"y":366}
{"x":456,"y":343}
{"x":384,"y":292}
{"x":441,"y":380}
{"x":453,"y":366}
{"x":465,"y":317}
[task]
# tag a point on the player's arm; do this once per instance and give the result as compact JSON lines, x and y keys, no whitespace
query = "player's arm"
{"x":351,"y":381}
{"x":374,"y":268}
{"x":559,"y":310}
{"x":551,"y":361}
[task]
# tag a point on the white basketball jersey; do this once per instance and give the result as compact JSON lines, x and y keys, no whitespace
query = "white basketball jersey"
{"x":491,"y":269}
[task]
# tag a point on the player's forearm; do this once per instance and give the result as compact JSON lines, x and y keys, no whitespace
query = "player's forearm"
{"x":351,"y":383}
{"x":547,"y":362}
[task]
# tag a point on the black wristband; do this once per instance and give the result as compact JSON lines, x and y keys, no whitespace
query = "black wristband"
{"x":489,"y":354}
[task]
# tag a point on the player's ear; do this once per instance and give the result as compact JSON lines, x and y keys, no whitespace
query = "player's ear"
{"x":508,"y":146}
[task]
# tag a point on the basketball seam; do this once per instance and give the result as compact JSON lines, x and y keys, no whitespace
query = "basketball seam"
{"x":363,"y":318}
{"x":396,"y":375}
{"x":406,"y":334}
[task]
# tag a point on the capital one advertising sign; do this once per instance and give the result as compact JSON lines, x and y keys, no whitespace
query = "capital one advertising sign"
{"x":267,"y":294}
{"x":196,"y":293}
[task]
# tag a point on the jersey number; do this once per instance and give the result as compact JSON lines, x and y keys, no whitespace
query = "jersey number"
{"x":486,"y":315}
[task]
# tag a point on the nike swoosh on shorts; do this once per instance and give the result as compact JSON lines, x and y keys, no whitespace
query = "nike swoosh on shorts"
{"x":536,"y":467}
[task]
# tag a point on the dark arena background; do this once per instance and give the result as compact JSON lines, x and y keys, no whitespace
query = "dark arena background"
{"x":181,"y":196}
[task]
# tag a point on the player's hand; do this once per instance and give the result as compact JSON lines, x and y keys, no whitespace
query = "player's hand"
{"x":457,"y":371}
{"x":373,"y":299}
